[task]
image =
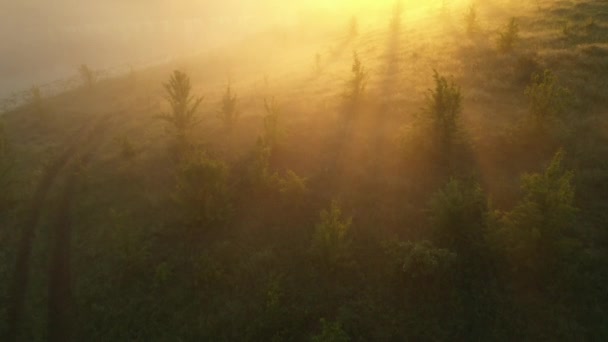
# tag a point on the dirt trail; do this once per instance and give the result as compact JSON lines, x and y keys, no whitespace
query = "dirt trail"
{"x":81,"y":140}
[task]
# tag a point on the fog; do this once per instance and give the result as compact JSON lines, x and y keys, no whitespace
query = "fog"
{"x":47,"y":40}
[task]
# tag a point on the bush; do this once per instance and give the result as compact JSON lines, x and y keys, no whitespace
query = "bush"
{"x":508,"y":37}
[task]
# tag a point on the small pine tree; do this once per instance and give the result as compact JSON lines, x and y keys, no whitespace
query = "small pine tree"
{"x":88,"y":76}
{"x":509,"y":37}
{"x":184,"y":106}
{"x":229,"y":112}
{"x":471,"y":21}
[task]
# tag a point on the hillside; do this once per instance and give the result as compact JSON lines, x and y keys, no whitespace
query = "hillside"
{"x":450,"y":187}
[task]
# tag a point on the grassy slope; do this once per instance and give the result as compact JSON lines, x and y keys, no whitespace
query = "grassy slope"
{"x":124,"y":201}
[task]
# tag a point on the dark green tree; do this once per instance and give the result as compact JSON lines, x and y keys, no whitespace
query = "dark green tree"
{"x":538,"y":231}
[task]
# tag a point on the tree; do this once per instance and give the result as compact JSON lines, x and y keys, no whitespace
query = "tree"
{"x":184,"y":106}
{"x":331,"y":239}
{"x":443,"y":108}
{"x":202,"y":192}
{"x":88,"y":76}
{"x":537,"y":231}
{"x":458,"y":216}
{"x":229,"y":112}
{"x":509,"y":36}
{"x":357,"y":84}
{"x":471,"y":21}
{"x":547,"y":98}
{"x":272,"y":134}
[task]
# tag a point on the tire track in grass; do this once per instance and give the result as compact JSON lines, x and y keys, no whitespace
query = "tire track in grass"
{"x":21,"y":271}
{"x":60,"y":275}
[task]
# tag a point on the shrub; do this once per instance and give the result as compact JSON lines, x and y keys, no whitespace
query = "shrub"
{"x":184,"y":106}
{"x":508,"y":37}
{"x":229,"y":113}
